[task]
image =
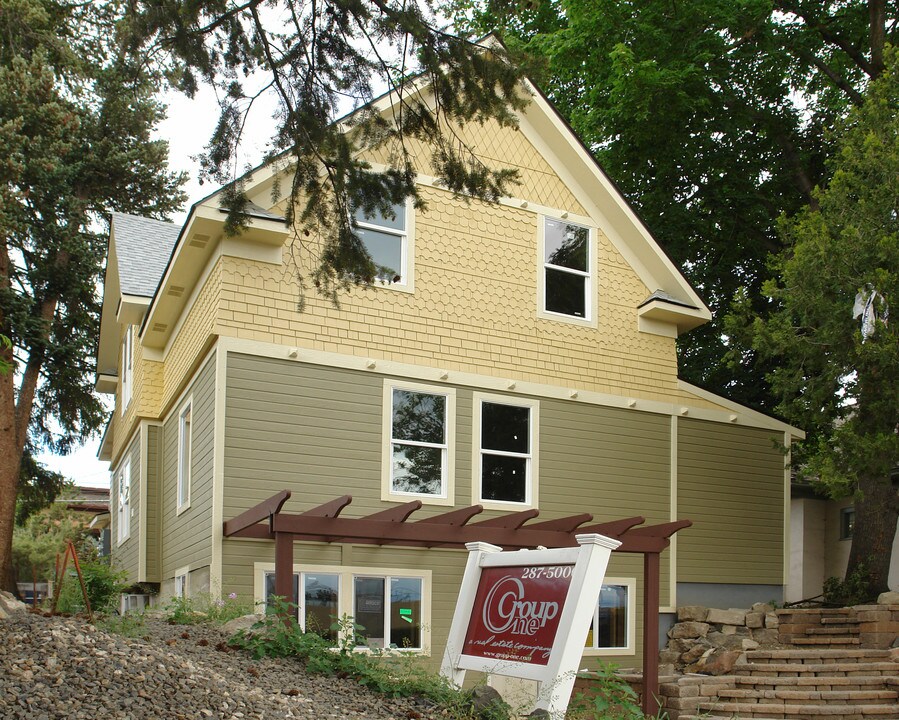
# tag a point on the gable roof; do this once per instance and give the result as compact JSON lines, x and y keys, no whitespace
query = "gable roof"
{"x":143,"y":247}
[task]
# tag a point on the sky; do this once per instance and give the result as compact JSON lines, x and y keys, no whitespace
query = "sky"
{"x":187,"y":128}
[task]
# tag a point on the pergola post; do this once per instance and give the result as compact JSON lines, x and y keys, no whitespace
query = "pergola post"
{"x":651,"y":634}
{"x":284,"y":568}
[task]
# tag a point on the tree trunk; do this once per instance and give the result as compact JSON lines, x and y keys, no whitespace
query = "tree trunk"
{"x":10,"y":460}
{"x":876,"y":513}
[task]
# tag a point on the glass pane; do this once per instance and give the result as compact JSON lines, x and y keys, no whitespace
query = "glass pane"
{"x":565,"y":293}
{"x":368,"y":601}
{"x":320,"y":595}
{"x":612,"y":617}
{"x":405,"y":612}
{"x":566,"y":245}
{"x":419,"y":417}
{"x":504,"y":478}
{"x":397,"y":222}
{"x":417,"y":469}
{"x":270,"y":592}
{"x":505,"y":427}
{"x":386,"y":252}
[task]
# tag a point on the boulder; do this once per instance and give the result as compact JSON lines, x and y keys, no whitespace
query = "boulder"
{"x":888,"y":598}
{"x":755,"y":619}
{"x":486,"y":702}
{"x":692,"y":612}
{"x":668,"y":657}
{"x":763,"y":608}
{"x":244,"y":622}
{"x":726,"y":617}
{"x":689,"y":629}
{"x":719,"y":662}
{"x":767,"y":638}
{"x":9,"y":605}
{"x":696,"y":652}
{"x":771,"y":621}
{"x":750,"y":644}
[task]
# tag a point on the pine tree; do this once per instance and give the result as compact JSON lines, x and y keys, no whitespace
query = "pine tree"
{"x":75,"y":122}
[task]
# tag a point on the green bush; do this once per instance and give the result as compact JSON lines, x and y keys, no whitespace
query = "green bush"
{"x":610,"y":698}
{"x":103,"y":585}
{"x":854,"y":590}
{"x":206,"y":609}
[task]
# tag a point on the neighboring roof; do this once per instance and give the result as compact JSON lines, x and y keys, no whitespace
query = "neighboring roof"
{"x":143,"y":247}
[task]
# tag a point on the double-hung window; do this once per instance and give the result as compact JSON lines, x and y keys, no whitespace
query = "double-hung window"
{"x":184,"y":455}
{"x":124,"y":502}
{"x":567,"y":269}
{"x":613,"y":626}
{"x":419,"y":431}
{"x":505,"y":450}
{"x":387,"y":240}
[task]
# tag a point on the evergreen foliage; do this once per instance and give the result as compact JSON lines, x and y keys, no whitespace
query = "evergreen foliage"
{"x":320,"y":59}
{"x":76,"y":117}
{"x":837,"y":375}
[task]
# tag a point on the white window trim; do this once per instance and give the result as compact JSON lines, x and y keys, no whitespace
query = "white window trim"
{"x":345,"y":596}
{"x":180,"y":573}
{"x":181,"y":481}
{"x":592,"y":282}
{"x":533,"y":485}
{"x":407,"y":249}
{"x":127,"y":366}
{"x":630,"y":648}
{"x":447,"y":497}
{"x":124,"y":510}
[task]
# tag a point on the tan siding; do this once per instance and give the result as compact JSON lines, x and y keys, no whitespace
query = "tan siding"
{"x":125,"y":556}
{"x":188,"y":539}
{"x":730,"y":484}
{"x":154,"y":469}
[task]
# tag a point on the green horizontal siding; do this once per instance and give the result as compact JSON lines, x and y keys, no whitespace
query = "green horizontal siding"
{"x":126,"y":555}
{"x":154,"y":469}
{"x":188,"y":536}
{"x":731,"y":485}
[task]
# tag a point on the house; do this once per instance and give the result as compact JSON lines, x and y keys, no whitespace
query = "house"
{"x":820,"y":538}
{"x":523,"y":357}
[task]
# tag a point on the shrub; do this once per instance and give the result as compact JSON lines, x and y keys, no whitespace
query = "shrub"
{"x":854,"y":590}
{"x":206,"y":609}
{"x":103,"y":585}
{"x":610,"y":698}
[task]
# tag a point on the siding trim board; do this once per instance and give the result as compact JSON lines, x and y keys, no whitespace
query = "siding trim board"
{"x":218,"y":471}
{"x":142,"y":511}
{"x":744,"y":418}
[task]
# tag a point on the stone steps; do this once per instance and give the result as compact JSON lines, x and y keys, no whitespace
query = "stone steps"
{"x":819,"y":656}
{"x":782,"y":711}
{"x":797,"y":697}
{"x":837,"y":642}
{"x":814,"y":683}
{"x":832,"y":669}
{"x":833,"y":630}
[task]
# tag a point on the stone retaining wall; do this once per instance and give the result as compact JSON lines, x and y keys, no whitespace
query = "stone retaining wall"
{"x":710,"y":641}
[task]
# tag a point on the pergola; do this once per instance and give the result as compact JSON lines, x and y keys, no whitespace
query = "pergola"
{"x":512,"y":531}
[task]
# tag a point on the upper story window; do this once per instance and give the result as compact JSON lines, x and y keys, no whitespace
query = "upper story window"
{"x":123,"y":530}
{"x":127,"y":366}
{"x":387,"y":240}
{"x":418,"y":426}
{"x":184,"y":455}
{"x":567,"y":270}
{"x":505,"y":437}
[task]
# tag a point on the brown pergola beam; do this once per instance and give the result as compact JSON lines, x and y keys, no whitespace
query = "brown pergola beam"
{"x":263,"y":511}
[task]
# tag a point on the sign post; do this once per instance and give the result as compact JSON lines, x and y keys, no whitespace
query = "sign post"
{"x":526,"y":614}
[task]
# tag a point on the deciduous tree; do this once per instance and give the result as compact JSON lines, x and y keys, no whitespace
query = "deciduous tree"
{"x":833,"y":330}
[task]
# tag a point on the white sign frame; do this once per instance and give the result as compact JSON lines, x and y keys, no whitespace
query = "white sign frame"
{"x":556,"y":678}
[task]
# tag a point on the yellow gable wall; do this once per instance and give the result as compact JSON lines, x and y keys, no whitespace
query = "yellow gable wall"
{"x":500,"y":148}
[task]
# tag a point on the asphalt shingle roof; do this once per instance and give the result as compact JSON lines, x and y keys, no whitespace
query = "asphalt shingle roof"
{"x":143,"y":248}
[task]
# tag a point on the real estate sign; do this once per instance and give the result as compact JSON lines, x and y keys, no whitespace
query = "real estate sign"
{"x":526,"y":614}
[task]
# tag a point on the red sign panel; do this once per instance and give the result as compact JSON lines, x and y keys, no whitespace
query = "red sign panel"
{"x":516,"y":613}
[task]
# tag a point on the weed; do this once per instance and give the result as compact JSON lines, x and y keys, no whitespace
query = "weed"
{"x":610,"y":698}
{"x":128,"y":625}
{"x":205,"y":609}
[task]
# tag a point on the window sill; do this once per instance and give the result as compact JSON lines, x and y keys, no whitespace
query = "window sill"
{"x":608,"y":652}
{"x":180,"y":509}
{"x":425,"y":499}
{"x":566,"y":319}
{"x":509,"y":506}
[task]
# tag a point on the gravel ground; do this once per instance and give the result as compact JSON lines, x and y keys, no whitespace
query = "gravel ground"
{"x":67,"y":668}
